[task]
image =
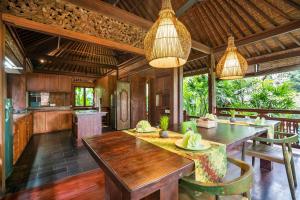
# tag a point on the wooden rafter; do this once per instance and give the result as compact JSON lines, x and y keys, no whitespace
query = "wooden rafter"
{"x":67,"y":61}
{"x":271,"y":33}
{"x":277,"y":10}
{"x":275,"y":56}
{"x":188,"y":4}
{"x":293,"y":3}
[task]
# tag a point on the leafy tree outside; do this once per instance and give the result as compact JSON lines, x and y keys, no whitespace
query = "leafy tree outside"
{"x":278,"y":91}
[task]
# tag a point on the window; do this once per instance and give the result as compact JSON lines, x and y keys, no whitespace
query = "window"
{"x":84,"y":97}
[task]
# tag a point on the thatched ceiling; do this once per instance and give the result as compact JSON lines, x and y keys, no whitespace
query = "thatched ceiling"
{"x":54,"y":54}
{"x":210,"y":22}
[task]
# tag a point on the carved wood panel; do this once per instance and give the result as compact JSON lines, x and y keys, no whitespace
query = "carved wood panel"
{"x":123,"y":105}
{"x":74,"y":18}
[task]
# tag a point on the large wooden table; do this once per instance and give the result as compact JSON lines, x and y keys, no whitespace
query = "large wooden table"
{"x":135,"y":169}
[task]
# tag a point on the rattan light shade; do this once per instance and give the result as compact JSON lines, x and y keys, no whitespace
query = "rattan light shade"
{"x":168,"y":42}
{"x":232,"y":65}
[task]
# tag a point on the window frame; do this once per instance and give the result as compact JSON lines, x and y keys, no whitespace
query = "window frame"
{"x":84,"y":97}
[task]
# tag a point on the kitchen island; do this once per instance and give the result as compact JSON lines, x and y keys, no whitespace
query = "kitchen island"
{"x":86,"y":123}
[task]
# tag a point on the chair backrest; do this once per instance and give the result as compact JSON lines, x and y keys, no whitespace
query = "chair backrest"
{"x":237,"y":186}
{"x":188,"y":125}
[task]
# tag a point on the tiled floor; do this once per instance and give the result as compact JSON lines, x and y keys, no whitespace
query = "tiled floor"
{"x":47,"y":158}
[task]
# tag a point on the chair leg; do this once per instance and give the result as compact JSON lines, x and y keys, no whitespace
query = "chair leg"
{"x":217,"y":197}
{"x":243,"y":151}
{"x":253,"y":161}
{"x":288,"y":169}
{"x":294,"y":171}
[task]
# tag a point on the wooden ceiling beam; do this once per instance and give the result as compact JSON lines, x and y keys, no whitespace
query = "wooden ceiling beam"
{"x":124,"y":16}
{"x":293,"y":3}
{"x":274,"y":70}
{"x":271,"y":33}
{"x":275,"y":56}
{"x":295,"y":40}
{"x":57,"y":31}
{"x":188,"y":4}
{"x":277,"y":10}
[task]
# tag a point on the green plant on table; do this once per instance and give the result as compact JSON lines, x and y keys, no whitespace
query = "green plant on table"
{"x":232,"y":113}
{"x":164,"y":122}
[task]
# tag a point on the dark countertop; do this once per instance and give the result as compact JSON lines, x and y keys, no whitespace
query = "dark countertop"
{"x":46,"y":109}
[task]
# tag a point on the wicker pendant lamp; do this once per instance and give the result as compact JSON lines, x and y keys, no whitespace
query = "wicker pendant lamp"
{"x":168,"y":42}
{"x":232,"y":65}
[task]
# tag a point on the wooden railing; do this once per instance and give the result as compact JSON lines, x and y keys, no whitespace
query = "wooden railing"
{"x":289,"y":125}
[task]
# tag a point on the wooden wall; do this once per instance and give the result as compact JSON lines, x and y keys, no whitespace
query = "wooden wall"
{"x":105,"y":87}
{"x":138,"y":99}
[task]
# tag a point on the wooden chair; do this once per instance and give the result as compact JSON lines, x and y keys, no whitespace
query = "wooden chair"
{"x":238,"y":186}
{"x":188,"y":125}
{"x":284,"y":155}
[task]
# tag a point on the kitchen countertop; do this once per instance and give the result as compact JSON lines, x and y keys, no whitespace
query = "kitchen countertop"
{"x":89,"y":112}
{"x":54,"y":108}
{"x":17,"y":116}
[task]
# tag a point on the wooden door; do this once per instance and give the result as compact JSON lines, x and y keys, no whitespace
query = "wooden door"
{"x":39,"y":122}
{"x":123,"y":105}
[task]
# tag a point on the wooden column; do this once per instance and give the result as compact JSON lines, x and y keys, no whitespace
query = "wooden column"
{"x":180,"y":94}
{"x":2,"y":104}
{"x":212,"y":85}
{"x":174,"y":97}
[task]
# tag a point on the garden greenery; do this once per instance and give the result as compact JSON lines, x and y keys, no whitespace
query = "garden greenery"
{"x":265,"y":92}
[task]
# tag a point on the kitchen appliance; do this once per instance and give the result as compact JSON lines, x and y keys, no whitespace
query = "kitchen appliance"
{"x":8,"y":137}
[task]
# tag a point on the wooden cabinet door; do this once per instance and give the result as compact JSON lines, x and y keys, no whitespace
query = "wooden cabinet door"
{"x":65,"y":83}
{"x":52,"y":121}
{"x":35,"y":82}
{"x":65,"y":120}
{"x":16,"y":143}
{"x":22,"y":134}
{"x":51,"y":83}
{"x":39,"y":122}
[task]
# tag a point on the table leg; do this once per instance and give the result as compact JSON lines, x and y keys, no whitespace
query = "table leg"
{"x":112,"y":192}
{"x":170,"y":191}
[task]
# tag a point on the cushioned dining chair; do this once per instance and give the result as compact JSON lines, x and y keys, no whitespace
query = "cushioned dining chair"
{"x":239,"y":186}
{"x":275,"y":153}
{"x":188,"y":125}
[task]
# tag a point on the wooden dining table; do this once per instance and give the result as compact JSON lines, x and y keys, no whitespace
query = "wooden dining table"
{"x":135,"y":169}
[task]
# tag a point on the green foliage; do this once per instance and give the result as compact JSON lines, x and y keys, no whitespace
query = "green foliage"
{"x":195,"y":95}
{"x":164,"y":122}
{"x":232,"y":113}
{"x":266,"y":92}
{"x":79,"y":96}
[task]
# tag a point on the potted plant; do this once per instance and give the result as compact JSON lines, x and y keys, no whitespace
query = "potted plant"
{"x":164,"y":125}
{"x":232,"y":114}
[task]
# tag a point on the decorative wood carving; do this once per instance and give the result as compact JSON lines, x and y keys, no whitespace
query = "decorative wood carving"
{"x":74,"y":18}
{"x":123,"y":106}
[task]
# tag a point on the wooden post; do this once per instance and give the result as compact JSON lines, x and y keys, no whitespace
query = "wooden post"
{"x":174,"y":97}
{"x":212,"y":103}
{"x":2,"y":104}
{"x":180,"y":94}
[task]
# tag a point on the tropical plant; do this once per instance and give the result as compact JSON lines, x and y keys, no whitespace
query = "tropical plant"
{"x":164,"y":122}
{"x":232,"y":113}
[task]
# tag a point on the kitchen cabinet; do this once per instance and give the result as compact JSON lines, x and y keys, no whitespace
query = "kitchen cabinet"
{"x":49,"y":83}
{"x":22,"y":132}
{"x":39,"y":122}
{"x":65,"y":83}
{"x":65,"y":120}
{"x":35,"y":82}
{"x":50,"y":121}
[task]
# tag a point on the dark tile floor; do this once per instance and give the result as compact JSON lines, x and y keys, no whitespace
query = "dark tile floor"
{"x":47,"y":158}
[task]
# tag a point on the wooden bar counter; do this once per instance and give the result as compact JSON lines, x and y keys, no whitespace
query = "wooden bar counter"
{"x":86,"y":123}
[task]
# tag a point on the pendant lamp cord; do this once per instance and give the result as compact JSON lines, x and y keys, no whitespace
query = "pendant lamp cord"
{"x":230,"y":10}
